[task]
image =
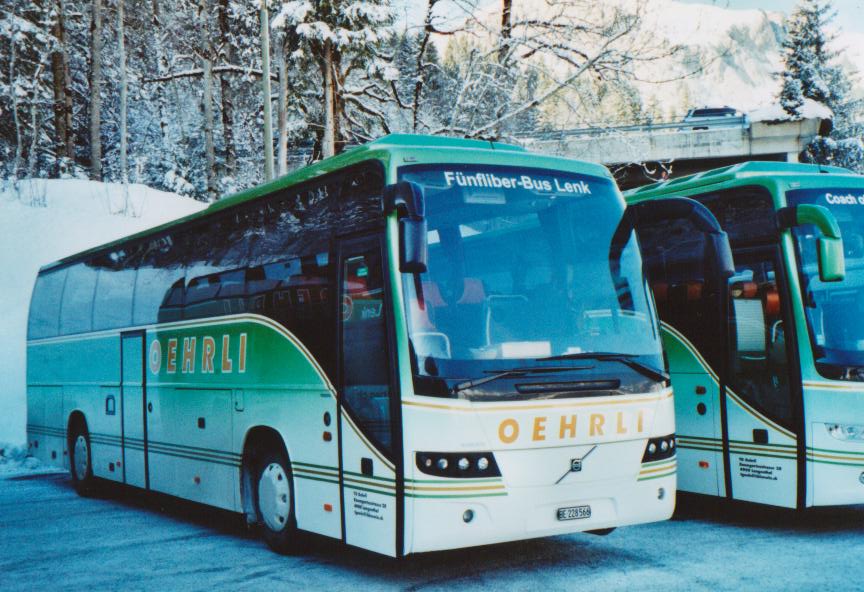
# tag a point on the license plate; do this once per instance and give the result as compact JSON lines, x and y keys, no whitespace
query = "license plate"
{"x":574,"y":513}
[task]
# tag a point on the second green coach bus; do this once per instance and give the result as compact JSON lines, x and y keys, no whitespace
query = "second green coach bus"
{"x":768,"y":368}
{"x":420,"y":344}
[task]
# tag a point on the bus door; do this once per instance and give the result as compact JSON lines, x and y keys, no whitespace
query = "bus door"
{"x":369,"y":442}
{"x":759,"y":386}
{"x":132,"y":401}
{"x":690,"y":307}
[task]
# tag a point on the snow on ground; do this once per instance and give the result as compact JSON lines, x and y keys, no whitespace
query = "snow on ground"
{"x":42,"y":221}
{"x":129,"y":540}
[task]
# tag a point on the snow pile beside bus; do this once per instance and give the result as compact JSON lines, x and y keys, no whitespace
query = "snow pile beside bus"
{"x":42,"y":221}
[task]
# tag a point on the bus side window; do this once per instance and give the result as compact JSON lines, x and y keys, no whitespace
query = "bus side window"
{"x":76,"y":311}
{"x":112,"y":306}
{"x":160,"y":266}
{"x":45,"y":305}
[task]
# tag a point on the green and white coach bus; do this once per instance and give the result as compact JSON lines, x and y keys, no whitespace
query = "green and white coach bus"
{"x":420,"y":344}
{"x":768,"y":369}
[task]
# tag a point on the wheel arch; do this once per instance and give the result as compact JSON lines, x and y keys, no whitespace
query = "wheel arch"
{"x":257,"y":441}
{"x":76,"y":419}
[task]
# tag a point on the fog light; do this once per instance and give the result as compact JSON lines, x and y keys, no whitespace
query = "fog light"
{"x":664,"y":446}
{"x":467,"y":516}
{"x":427,"y":461}
{"x":463,"y":464}
{"x":442,"y":463}
{"x":652,"y":448}
{"x":661,"y":493}
{"x":483,"y":463}
{"x":861,"y":478}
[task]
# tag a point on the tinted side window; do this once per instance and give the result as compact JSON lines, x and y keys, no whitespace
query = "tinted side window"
{"x":686,"y":295}
{"x":112,"y":307}
{"x":745,"y":213}
{"x":45,"y":305}
{"x":216,"y":265}
{"x":76,"y":313}
{"x":160,"y":268}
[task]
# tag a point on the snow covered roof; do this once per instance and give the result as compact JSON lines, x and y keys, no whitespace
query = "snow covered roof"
{"x":809,"y":110}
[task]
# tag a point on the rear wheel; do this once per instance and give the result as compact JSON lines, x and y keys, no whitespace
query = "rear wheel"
{"x":80,"y":460}
{"x":274,"y":503}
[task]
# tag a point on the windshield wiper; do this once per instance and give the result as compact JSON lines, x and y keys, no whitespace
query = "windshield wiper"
{"x":457,"y":388}
{"x":628,"y":360}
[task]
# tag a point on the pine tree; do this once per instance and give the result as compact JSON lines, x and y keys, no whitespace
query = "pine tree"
{"x":811,"y":73}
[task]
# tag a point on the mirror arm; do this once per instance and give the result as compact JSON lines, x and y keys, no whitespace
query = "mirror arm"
{"x":819,"y":216}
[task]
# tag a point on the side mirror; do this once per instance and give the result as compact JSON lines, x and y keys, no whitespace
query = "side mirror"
{"x":409,"y":203}
{"x":413,"y":245}
{"x":832,"y":263}
{"x":719,"y":251}
{"x":829,"y":247}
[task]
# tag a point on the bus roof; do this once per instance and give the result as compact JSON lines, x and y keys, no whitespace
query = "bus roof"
{"x":384,"y":148}
{"x":729,"y":175}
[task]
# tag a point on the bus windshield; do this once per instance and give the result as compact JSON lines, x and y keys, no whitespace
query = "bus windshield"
{"x":834,"y":310}
{"x":519,"y":294}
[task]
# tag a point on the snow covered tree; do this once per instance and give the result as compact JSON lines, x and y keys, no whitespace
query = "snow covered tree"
{"x":342,"y":37}
{"x":811,"y":72}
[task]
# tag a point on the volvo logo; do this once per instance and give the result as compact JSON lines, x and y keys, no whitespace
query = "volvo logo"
{"x":576,"y":465}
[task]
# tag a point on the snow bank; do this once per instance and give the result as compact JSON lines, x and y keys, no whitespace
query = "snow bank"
{"x":14,"y":461}
{"x":42,"y":221}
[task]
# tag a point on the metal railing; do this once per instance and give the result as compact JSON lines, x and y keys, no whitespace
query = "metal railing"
{"x":700,"y":124}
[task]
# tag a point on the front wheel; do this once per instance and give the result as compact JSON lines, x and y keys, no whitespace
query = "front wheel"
{"x":274,"y":503}
{"x":80,"y":461}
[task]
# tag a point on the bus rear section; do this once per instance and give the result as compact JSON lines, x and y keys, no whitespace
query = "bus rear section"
{"x":766,"y":368}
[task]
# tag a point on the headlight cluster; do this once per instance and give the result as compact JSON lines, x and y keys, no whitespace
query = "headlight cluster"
{"x":659,"y":448}
{"x":458,"y":464}
{"x":846,"y":431}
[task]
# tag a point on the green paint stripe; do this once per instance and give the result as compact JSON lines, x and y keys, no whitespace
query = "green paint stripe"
{"x":310,"y":478}
{"x":198,"y":458}
{"x":383,"y":479}
{"x":321,"y":474}
{"x":313,"y":465}
{"x":655,"y":463}
{"x":835,"y":451}
{"x":414,"y":495}
{"x":650,"y":477}
{"x":835,"y":462}
{"x":182,"y":450}
{"x":457,"y":480}
{"x":210,"y":450}
{"x":387,"y":493}
{"x":746,"y":443}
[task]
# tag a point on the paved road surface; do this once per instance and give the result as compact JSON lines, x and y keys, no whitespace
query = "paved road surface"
{"x":50,"y":539}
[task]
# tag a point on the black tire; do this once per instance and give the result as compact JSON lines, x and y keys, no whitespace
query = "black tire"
{"x":80,"y":460}
{"x":273,"y":488}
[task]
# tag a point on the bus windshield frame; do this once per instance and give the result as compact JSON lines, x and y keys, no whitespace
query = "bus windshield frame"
{"x":833,"y":310}
{"x":510,"y":244}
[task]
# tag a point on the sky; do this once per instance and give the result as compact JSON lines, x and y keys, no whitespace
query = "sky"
{"x":850,"y":13}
